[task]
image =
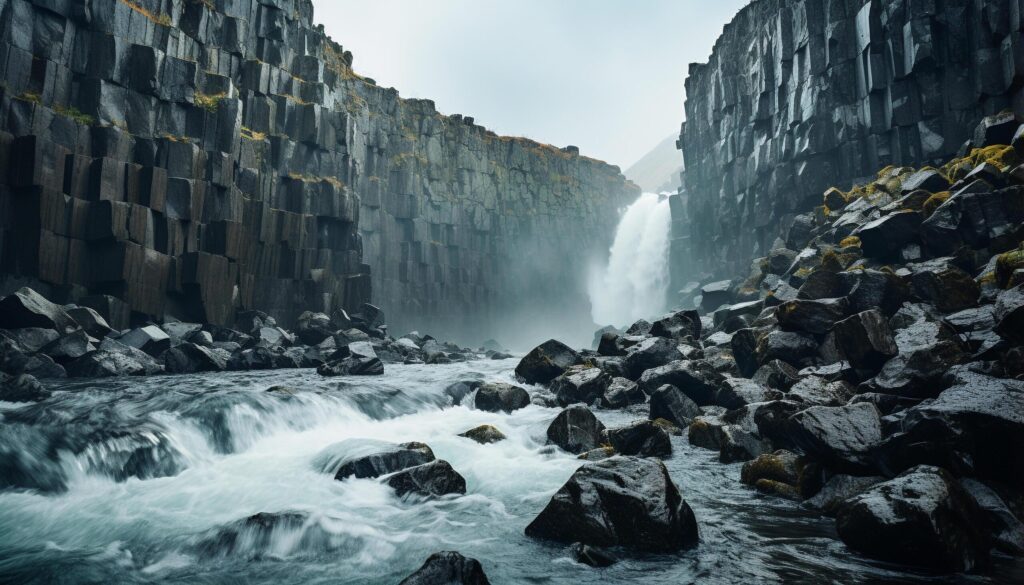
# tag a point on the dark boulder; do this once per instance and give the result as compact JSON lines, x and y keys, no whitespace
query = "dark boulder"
{"x":352,"y":366}
{"x":576,"y":430}
{"x":927,"y":349}
{"x":817,"y":391}
{"x":92,"y":322}
{"x":622,"y":501}
{"x":777,"y":374}
{"x":883,"y":238}
{"x":610,"y":345}
{"x":31,"y":339}
{"x":374,"y":460}
{"x":257,"y":358}
{"x":546,"y":362}
{"x":815,"y":317}
{"x":113,"y":358}
{"x":874,"y":289}
{"x":27,"y":308}
{"x":944,"y":285}
{"x":312,"y":328}
{"x":622,"y":392}
{"x":715,"y":295}
{"x":744,"y":350}
{"x":188,"y":358}
{"x":923,"y":517}
{"x":448,"y":568}
{"x":580,"y":384}
{"x":650,"y":353}
{"x":775,"y":473}
{"x":837,"y":490}
{"x":150,"y":339}
{"x":69,"y":347}
{"x":788,"y":346}
{"x":499,"y":397}
{"x":436,"y":478}
{"x":23,"y":388}
{"x":460,"y":390}
{"x":842,"y":436}
{"x":669,"y":403}
{"x":695,"y":379}
{"x":484,"y":434}
{"x":738,"y":444}
{"x":1006,"y":529}
{"x":642,"y":438}
{"x":590,"y":555}
{"x":737,"y":392}
{"x":678,"y":325}
{"x":865,"y":340}
{"x":639,"y":328}
{"x":1009,"y":314}
{"x":928,"y":179}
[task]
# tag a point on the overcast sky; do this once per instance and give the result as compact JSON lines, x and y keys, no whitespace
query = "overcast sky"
{"x":605,"y":75}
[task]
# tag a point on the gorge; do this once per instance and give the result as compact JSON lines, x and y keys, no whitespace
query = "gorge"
{"x":263,"y":320}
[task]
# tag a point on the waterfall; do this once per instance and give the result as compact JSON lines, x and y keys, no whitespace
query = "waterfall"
{"x":634,"y":284}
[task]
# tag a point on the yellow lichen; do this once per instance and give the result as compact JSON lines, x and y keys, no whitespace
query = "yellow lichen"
{"x":209,"y":102}
{"x":850,"y":241}
{"x":1006,"y":264}
{"x":933,"y":203}
{"x":161,"y":18}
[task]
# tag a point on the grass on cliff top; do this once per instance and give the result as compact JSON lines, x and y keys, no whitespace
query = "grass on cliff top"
{"x":161,"y":18}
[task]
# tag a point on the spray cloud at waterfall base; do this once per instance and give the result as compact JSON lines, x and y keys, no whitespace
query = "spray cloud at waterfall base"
{"x":634,"y":283}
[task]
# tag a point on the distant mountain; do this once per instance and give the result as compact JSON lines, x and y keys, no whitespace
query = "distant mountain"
{"x":659,"y":169}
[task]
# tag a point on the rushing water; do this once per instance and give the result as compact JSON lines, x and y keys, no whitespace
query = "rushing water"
{"x":634,"y":284}
{"x":134,"y":478}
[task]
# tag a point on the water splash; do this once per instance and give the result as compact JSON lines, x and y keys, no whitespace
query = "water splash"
{"x":634,"y":284}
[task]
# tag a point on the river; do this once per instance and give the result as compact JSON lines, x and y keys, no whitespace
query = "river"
{"x":162,"y":463}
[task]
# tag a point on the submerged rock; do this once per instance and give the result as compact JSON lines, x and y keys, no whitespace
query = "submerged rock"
{"x":576,"y":430}
{"x":484,"y":434}
{"x":546,"y":362}
{"x":448,"y":568}
{"x":436,"y":478}
{"x":923,"y":517}
{"x":499,"y":397}
{"x":837,"y":490}
{"x":591,"y":555}
{"x":622,"y":501}
{"x":775,"y":473}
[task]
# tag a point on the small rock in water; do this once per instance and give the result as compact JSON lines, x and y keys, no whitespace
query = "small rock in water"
{"x":589,"y":555}
{"x":381,"y":459}
{"x":643,"y":438}
{"x":448,"y":568}
{"x":575,"y":430}
{"x":484,"y":434}
{"x":499,"y":397}
{"x":436,"y":478}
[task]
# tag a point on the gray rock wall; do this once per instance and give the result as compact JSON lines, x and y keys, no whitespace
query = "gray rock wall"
{"x":196,"y":157}
{"x":800,"y":95}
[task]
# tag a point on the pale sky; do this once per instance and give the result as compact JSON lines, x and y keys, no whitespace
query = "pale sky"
{"x":605,"y":75}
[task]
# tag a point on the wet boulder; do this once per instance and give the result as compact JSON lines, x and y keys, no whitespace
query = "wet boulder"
{"x":31,"y":339}
{"x":811,"y":316}
{"x":256,"y":358}
{"x":92,"y":322}
{"x":23,"y":388}
{"x":639,"y":328}
{"x":261,"y":535}
{"x":27,"y":308}
{"x":738,"y":444}
{"x":69,"y":347}
{"x":817,"y":391}
{"x":883,"y":238}
{"x":775,"y":473}
{"x":842,"y":436}
{"x":1006,"y":529}
{"x":695,"y":379}
{"x":1009,"y":314}
{"x":312,"y":328}
{"x":927,"y":349}
{"x":500,"y":397}
{"x":150,"y":339}
{"x":650,"y":353}
{"x":715,"y":295}
{"x":188,"y":358}
{"x":546,"y":362}
{"x":669,"y":403}
{"x":622,"y":392}
{"x":591,"y":555}
{"x":575,"y":430}
{"x":113,"y":358}
{"x":372,"y":459}
{"x":737,"y":392}
{"x":788,"y":346}
{"x":923,"y":517}
{"x":622,"y":501}
{"x":678,"y":325}
{"x":865,"y":340}
{"x":448,"y":568}
{"x":436,"y":478}
{"x":484,"y":434}
{"x":580,"y":385}
{"x":358,"y":358}
{"x":837,"y":490}
{"x":928,"y":179}
{"x":777,"y":374}
{"x":642,"y":438}
{"x":944,"y":285}
{"x":874,"y":289}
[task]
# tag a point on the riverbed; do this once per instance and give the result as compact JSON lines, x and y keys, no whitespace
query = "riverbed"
{"x":123,"y":481}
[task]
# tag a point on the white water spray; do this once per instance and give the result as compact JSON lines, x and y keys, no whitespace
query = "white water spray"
{"x":634,"y":285}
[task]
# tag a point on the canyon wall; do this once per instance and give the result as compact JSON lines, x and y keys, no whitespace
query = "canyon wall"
{"x":801,"y":95}
{"x":193,"y":158}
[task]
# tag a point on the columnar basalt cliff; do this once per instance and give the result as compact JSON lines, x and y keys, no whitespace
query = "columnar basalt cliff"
{"x":801,"y":95}
{"x":197,"y":157}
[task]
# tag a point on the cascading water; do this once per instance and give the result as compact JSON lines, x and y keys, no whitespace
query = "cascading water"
{"x":634,"y":284}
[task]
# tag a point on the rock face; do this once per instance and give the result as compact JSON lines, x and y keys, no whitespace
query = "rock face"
{"x":923,"y":517}
{"x":244,"y":165}
{"x":800,"y":96}
{"x":448,"y":568}
{"x":622,"y":501}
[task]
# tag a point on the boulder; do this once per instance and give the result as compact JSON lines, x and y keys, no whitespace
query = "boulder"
{"x":622,"y":501}
{"x":738,"y":444}
{"x":639,"y":328}
{"x":92,"y":322}
{"x":715,"y":295}
{"x":874,"y":289}
{"x":775,"y":473}
{"x":737,"y":392}
{"x":23,"y":388}
{"x":499,"y":397}
{"x":448,"y":568}
{"x":313,"y":328}
{"x":927,"y":349}
{"x":460,"y":390}
{"x":374,"y":460}
{"x":150,"y":339}
{"x":575,"y":430}
{"x":642,"y":438}
{"x":695,"y":379}
{"x":546,"y":362}
{"x":811,"y":316}
{"x":188,"y":358}
{"x":484,"y":434}
{"x":1006,"y":529}
{"x":837,"y":490}
{"x":69,"y":347}
{"x":865,"y":340}
{"x":580,"y":385}
{"x":31,"y":339}
{"x":272,"y":337}
{"x":611,"y":345}
{"x":776,"y":374}
{"x":817,"y":391}
{"x":352,"y":366}
{"x":622,"y":392}
{"x":436,"y":478}
{"x":923,"y":517}
{"x":788,"y":346}
{"x":885,"y":237}
{"x":113,"y":358}
{"x":1009,"y":314}
{"x":650,"y":353}
{"x":257,"y":358}
{"x":678,"y":325}
{"x":669,"y":403}
{"x":944,"y":285}
{"x":590,"y":555}
{"x":928,"y":179}
{"x":27,"y":308}
{"x":842,"y":436}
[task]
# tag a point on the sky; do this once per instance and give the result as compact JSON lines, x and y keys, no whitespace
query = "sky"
{"x":604,"y":75}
